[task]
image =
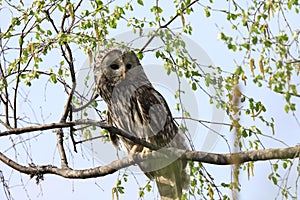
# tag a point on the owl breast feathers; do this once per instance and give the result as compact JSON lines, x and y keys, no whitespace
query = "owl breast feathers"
{"x":137,"y":108}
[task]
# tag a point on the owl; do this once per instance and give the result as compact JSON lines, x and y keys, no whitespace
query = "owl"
{"x":133,"y":105}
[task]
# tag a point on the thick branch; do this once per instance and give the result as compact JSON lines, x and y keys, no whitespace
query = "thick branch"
{"x":242,"y":157}
{"x":212,"y":158}
{"x":71,"y":173}
{"x":204,"y":157}
{"x":17,"y":131}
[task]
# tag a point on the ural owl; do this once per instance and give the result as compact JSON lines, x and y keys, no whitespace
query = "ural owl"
{"x":137,"y":108}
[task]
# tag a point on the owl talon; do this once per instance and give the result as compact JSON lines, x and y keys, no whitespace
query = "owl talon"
{"x":133,"y":150}
{"x":144,"y":152}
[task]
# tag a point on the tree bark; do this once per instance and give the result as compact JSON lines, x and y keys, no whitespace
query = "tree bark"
{"x":198,"y":156}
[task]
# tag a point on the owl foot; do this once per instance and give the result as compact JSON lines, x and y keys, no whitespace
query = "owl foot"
{"x":135,"y":149}
{"x":145,"y":151}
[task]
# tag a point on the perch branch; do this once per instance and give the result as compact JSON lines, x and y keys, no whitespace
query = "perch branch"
{"x":199,"y":156}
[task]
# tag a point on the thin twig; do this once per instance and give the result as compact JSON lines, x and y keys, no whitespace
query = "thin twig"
{"x":85,"y":105}
{"x":93,"y":138}
{"x":178,"y":14}
{"x":165,"y":25}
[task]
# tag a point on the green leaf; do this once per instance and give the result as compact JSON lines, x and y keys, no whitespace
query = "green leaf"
{"x":148,"y":187}
{"x":285,"y":165}
{"x":246,"y":46}
{"x":194,"y":86}
{"x":141,"y":193}
{"x":95,"y":104}
{"x":274,"y":179}
{"x":140,"y":2}
{"x":244,"y":133}
{"x":194,"y":183}
{"x":293,"y":106}
{"x":15,"y":21}
{"x":49,"y":32}
{"x":27,"y":82}
{"x":21,"y":40}
{"x":187,"y":114}
{"x":286,"y":108}
{"x":87,"y":134}
{"x":254,"y":40}
{"x":207,"y":13}
{"x":140,"y":55}
{"x":207,"y":79}
{"x":53,"y":78}
{"x":121,"y":190}
{"x":23,"y":76}
{"x":267,"y":43}
{"x":275,"y":167}
{"x":232,"y":47}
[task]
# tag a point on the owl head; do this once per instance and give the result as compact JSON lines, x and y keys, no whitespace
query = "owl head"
{"x":117,"y":68}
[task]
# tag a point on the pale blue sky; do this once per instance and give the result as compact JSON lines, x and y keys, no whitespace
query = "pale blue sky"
{"x":42,"y":150}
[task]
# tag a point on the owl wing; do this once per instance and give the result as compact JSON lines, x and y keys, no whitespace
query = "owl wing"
{"x":154,"y":111}
{"x":155,"y":116}
{"x":113,"y":137}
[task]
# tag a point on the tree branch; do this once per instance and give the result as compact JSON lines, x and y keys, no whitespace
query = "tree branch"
{"x":212,"y":158}
{"x":199,"y":156}
{"x":60,"y":147}
{"x":242,"y":157}
{"x":178,"y":14}
{"x":101,"y":124}
{"x":165,"y":25}
{"x":71,"y":173}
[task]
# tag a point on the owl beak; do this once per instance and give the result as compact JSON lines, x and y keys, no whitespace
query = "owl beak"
{"x":124,"y":74}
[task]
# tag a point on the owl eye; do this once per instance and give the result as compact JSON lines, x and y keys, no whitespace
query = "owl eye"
{"x":114,"y":66}
{"x":128,"y":66}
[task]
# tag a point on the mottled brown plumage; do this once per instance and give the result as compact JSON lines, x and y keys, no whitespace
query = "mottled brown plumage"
{"x":136,"y":107}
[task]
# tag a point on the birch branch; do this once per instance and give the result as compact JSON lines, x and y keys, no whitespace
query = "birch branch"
{"x":198,"y":156}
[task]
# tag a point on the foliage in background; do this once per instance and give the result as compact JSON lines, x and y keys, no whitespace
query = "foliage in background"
{"x":261,"y":33}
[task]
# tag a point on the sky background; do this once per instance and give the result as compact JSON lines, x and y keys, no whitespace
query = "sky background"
{"x":42,"y":149}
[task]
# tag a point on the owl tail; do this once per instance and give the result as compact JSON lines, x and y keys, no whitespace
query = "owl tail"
{"x":171,"y":180}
